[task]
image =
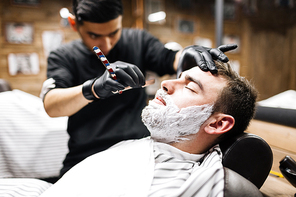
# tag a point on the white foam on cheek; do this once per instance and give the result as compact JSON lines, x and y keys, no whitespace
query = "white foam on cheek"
{"x":194,"y":117}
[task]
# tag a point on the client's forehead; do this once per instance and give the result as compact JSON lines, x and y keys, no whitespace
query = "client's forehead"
{"x":204,"y":76}
{"x":212,"y":84}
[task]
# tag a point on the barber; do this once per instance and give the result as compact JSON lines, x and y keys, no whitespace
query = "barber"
{"x":78,"y":85}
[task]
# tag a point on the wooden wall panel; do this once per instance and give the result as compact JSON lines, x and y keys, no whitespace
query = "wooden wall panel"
{"x":268,"y":45}
{"x":271,"y":60}
{"x":45,"y":17}
{"x":292,"y":58}
{"x":270,"y":70}
{"x":267,"y":50}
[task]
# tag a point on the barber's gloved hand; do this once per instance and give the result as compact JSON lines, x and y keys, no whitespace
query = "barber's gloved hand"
{"x":103,"y":87}
{"x":203,"y":57}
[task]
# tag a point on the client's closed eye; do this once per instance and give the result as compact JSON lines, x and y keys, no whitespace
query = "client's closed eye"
{"x":192,"y":90}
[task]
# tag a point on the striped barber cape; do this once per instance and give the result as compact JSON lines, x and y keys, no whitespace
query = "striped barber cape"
{"x":22,"y":187}
{"x":129,"y":169}
{"x":32,"y":144}
{"x":179,"y":173}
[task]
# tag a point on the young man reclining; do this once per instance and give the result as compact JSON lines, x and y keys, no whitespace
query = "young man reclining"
{"x":187,"y":119}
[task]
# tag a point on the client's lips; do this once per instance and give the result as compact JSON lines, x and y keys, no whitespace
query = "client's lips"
{"x":159,"y":100}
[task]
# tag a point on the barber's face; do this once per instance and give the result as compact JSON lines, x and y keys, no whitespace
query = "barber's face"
{"x":194,"y":87}
{"x":102,"y":35}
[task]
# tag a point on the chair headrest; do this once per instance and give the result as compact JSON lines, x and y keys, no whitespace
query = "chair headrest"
{"x":248,"y":155}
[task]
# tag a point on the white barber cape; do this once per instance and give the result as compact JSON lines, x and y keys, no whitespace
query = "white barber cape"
{"x":129,"y":171}
{"x":125,"y":169}
{"x":32,"y":144}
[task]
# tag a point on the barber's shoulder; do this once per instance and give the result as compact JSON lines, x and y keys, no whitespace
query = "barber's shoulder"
{"x":70,"y":49}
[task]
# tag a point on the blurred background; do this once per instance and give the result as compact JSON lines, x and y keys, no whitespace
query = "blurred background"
{"x":265,"y":31}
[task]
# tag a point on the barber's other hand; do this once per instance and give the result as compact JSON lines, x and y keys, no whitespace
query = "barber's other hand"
{"x":203,"y":57}
{"x":103,"y":86}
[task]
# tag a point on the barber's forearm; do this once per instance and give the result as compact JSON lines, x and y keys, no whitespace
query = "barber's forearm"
{"x":177,"y":57}
{"x":64,"y":101}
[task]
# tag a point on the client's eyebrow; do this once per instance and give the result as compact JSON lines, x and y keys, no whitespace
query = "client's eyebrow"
{"x":197,"y":81}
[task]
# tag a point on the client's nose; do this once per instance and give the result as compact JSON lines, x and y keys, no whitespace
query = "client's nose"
{"x":167,"y":86}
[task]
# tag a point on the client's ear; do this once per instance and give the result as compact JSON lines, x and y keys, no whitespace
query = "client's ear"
{"x":72,"y":22}
{"x":219,"y":123}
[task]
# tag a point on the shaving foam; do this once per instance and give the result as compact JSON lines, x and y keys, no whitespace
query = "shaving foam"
{"x":169,"y":123}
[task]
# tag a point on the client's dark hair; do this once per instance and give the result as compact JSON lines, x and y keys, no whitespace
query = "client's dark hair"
{"x":96,"y":11}
{"x":237,"y":99}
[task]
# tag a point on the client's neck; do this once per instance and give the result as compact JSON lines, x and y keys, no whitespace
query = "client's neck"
{"x":194,"y":145}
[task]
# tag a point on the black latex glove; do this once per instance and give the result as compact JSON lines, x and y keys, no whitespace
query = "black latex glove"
{"x":104,"y":86}
{"x":203,"y":57}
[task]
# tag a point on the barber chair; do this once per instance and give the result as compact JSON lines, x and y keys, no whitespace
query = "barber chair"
{"x":288,"y":169}
{"x":247,"y":161}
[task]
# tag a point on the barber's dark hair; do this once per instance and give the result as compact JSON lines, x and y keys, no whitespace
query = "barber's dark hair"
{"x":96,"y":11}
{"x":237,"y":99}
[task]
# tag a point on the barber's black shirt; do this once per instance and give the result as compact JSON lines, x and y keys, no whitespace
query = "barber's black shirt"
{"x":105,"y":122}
